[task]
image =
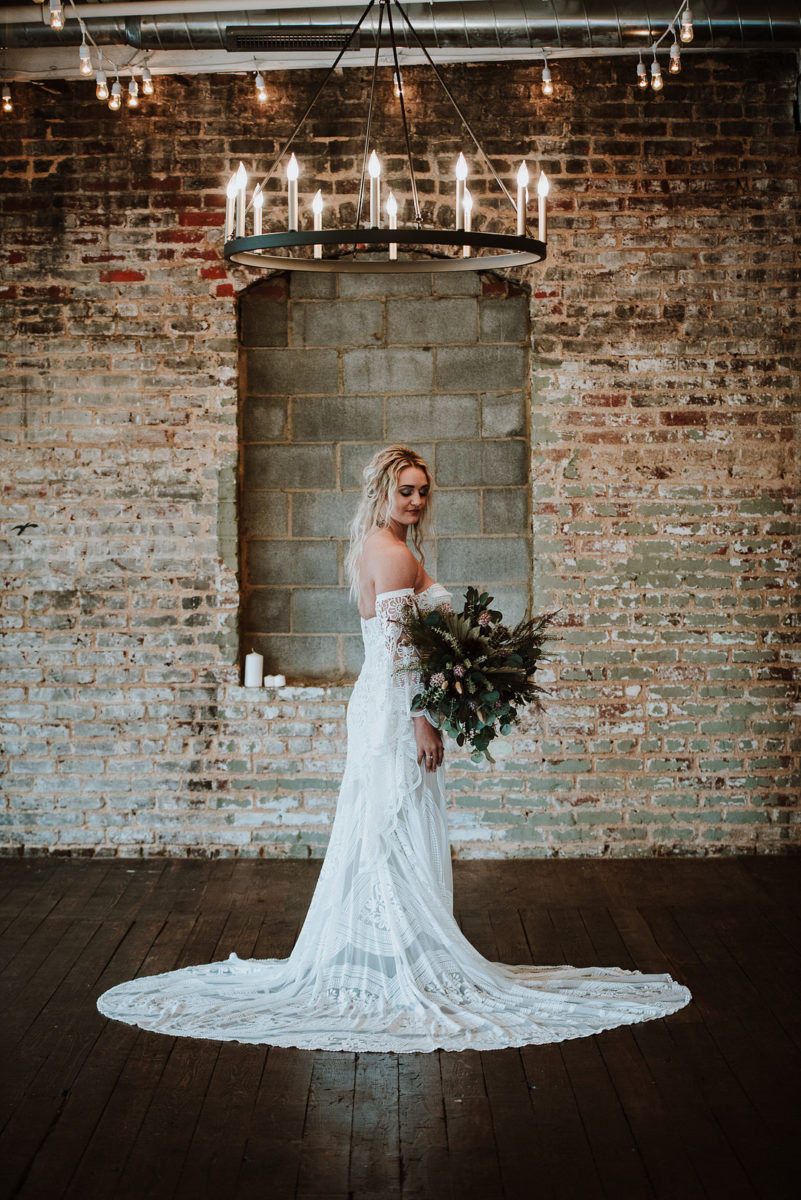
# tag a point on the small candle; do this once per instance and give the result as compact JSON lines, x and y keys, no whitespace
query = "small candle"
{"x":258,"y":206}
{"x":317,"y":209}
{"x":468,"y":218}
{"x":543,"y":187}
{"x":461,"y":175}
{"x":292,"y":173}
{"x":522,"y":199}
{"x":392,"y":210}
{"x":241,"y":186}
{"x":254,"y":665}
{"x":230,"y":206}
{"x":374,"y":167}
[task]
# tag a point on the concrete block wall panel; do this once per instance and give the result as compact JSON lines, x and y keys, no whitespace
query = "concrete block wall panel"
{"x":662,"y":407}
{"x":303,"y":455}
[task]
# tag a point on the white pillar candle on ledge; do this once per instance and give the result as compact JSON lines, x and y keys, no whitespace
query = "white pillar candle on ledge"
{"x":254,"y":667}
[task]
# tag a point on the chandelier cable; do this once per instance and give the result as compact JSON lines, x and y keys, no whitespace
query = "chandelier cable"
{"x":369,"y":119}
{"x":418,"y":217}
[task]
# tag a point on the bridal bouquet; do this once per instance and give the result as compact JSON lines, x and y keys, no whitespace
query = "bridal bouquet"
{"x":476,"y":671}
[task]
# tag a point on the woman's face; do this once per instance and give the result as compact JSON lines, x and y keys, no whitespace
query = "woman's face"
{"x":411,"y":496}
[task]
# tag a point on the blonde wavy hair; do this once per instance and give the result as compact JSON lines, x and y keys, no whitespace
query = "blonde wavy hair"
{"x":381,"y":476}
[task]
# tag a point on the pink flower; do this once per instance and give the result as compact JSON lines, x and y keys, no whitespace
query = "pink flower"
{"x":438,"y":680}
{"x":484,"y":619}
{"x":459,"y":671}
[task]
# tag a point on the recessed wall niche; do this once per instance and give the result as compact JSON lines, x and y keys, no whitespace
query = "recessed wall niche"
{"x":333,"y":367}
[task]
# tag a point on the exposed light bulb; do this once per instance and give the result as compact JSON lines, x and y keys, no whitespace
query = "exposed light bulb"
{"x":657,"y":83}
{"x":292,"y":168}
{"x":392,"y":205}
{"x":686,"y":33}
{"x":115,"y":99}
{"x":147,"y":81}
{"x":397,"y":84}
{"x":7,"y":105}
{"x":56,"y":15}
{"x":468,"y":202}
{"x":101,"y":85}
{"x":261,"y":87}
{"x":461,"y":167}
{"x":374,"y":166}
{"x":258,"y":208}
{"x":133,"y":94}
{"x":547,"y":85}
{"x":675,"y":58}
{"x":84,"y":58}
{"x":317,"y":203}
{"x":522,"y":175}
{"x":543,"y":184}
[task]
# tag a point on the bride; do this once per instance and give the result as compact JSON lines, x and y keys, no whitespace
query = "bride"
{"x":380,"y":963}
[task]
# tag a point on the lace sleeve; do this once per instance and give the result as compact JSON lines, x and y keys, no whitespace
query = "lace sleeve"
{"x":391,"y":608}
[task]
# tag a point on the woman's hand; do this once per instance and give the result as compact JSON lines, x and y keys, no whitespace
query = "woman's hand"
{"x":429,"y":743}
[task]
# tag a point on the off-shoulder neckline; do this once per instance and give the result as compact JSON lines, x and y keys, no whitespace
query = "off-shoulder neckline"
{"x":402,"y":592}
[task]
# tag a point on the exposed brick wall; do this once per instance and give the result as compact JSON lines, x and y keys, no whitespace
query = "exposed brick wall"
{"x":333,"y":369}
{"x":665,"y":352}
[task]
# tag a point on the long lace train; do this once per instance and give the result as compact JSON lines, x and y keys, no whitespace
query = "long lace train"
{"x":380,"y":963}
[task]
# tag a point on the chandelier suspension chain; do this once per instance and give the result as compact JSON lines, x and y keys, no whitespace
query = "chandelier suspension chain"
{"x":418,"y":218}
{"x":314,"y":98}
{"x":461,"y":115}
{"x":369,"y":117}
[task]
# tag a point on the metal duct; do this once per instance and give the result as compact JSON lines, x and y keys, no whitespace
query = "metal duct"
{"x":569,"y":24}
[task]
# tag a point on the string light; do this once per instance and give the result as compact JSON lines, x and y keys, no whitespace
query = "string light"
{"x":261,"y":87}
{"x":84,"y":57}
{"x":657,"y":82}
{"x":115,"y":99}
{"x":686,"y":33}
{"x":7,"y":105}
{"x":147,"y":81}
{"x":101,"y":85}
{"x":675,"y":56}
{"x":547,"y":86}
{"x":56,"y":15}
{"x":642,"y":75}
{"x":397,"y":84}
{"x":133,"y":93}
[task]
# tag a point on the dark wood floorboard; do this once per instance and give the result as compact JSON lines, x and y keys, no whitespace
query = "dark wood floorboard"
{"x":703,"y":1104}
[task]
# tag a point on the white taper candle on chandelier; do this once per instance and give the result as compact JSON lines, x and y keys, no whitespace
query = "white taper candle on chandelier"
{"x":374,"y":167}
{"x":230,"y":207}
{"x":522,"y":199}
{"x":317,"y":210}
{"x":292,"y":172}
{"x":254,"y":669}
{"x":392,"y":213}
{"x":461,"y":175}
{"x":543,"y":187}
{"x":468,"y":218}
{"x":258,"y":209}
{"x":241,"y":187}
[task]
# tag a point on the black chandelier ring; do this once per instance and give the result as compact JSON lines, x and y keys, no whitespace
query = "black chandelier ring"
{"x":255,"y":251}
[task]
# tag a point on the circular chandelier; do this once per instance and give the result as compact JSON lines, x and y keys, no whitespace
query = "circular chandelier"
{"x":375,"y":246}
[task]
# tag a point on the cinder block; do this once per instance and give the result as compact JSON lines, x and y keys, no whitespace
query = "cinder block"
{"x":353,"y":284}
{"x":355,"y":458}
{"x":324,"y":610}
{"x":322,"y":514}
{"x":262,"y":320}
{"x":385,"y":370}
{"x":502,"y":414}
{"x":457,"y":511}
{"x":501,"y":368}
{"x":288,"y":466}
{"x":410,"y":417}
{"x":300,"y":657}
{"x":494,"y":463}
{"x":288,"y":372}
{"x":353,"y":649}
{"x":337,"y":418}
{"x":431,"y":322}
{"x":466,"y":559}
{"x":341,"y":323}
{"x":264,"y":419}
{"x":504,"y":319}
{"x":505,"y":510}
{"x":456,"y":283}
{"x":266,"y":610}
{"x":303,"y":562}
{"x":264,"y":514}
{"x":312,"y":286}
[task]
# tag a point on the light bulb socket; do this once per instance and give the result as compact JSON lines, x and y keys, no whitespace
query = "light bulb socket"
{"x":147,"y":81}
{"x":547,"y":85}
{"x":133,"y":94}
{"x":101,"y":85}
{"x":686,"y":33}
{"x":84,"y":60}
{"x":56,"y":15}
{"x":642,"y":75}
{"x":115,"y":99}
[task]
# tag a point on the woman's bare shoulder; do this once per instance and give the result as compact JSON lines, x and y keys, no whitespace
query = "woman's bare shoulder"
{"x":388,"y":563}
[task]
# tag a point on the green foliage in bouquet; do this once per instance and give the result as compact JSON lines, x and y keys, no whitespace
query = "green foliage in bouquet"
{"x":476,"y":671}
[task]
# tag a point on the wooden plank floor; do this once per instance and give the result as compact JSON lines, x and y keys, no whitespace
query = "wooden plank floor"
{"x":702,"y":1104}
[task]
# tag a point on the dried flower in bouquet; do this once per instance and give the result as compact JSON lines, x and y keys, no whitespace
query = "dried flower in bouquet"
{"x":477,"y":673}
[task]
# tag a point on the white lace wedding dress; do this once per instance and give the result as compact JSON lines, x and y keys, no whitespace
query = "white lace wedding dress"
{"x":380,"y":963}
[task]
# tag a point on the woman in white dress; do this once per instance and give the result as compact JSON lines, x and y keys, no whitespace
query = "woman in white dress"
{"x":380,"y":963}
